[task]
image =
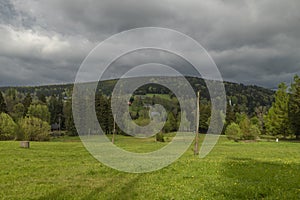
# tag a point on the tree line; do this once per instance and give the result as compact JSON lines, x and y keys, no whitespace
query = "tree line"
{"x":31,"y":112}
{"x":281,"y":120}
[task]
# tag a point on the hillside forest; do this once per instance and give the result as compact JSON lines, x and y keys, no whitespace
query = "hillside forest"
{"x":38,"y":113}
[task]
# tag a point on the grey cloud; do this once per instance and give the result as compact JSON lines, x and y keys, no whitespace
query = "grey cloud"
{"x":254,"y":42}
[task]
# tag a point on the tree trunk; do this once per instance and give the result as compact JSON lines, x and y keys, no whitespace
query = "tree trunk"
{"x":196,"y":149}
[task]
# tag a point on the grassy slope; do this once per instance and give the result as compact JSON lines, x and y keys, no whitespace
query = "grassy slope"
{"x":65,"y":170}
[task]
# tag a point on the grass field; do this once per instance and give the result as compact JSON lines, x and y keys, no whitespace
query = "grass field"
{"x":63,"y":169}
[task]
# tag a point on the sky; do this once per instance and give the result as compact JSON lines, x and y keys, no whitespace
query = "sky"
{"x":252,"y":42}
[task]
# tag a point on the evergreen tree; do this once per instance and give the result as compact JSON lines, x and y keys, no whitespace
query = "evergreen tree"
{"x":27,"y":102}
{"x":276,"y":121}
{"x":56,"y":110}
{"x":11,"y":99}
{"x":205,"y":112}
{"x":294,"y":107}
{"x":260,"y":112}
{"x":42,"y":98}
{"x":230,"y":115}
{"x":172,"y":121}
{"x":3,"y":107}
{"x":68,"y":117}
{"x":103,"y":113}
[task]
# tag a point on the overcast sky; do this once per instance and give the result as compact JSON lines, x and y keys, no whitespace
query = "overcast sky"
{"x":252,"y":42}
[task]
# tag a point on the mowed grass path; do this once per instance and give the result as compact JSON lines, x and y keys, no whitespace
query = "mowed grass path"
{"x":63,"y":169}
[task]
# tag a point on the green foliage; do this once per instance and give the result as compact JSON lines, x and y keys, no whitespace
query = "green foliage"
{"x":277,"y":121}
{"x":11,"y":98}
{"x":69,"y":121}
{"x":245,"y":126}
{"x":171,"y":124}
{"x":27,"y":102}
{"x":233,"y":132}
{"x":104,"y":113}
{"x":240,"y":117}
{"x":3,"y":106}
{"x":39,"y":111}
{"x":253,"y":133}
{"x":230,"y":114}
{"x":56,"y":110}
{"x":18,"y":111}
{"x":294,"y":106}
{"x":42,"y":98}
{"x":249,"y":130}
{"x":255,"y":121}
{"x":34,"y":129}
{"x":246,"y":130}
{"x":160,"y":137}
{"x":260,"y":112}
{"x":205,"y":112}
{"x":7,"y":127}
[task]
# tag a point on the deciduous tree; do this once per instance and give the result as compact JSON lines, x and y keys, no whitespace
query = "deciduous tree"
{"x":39,"y":111}
{"x":7,"y":127}
{"x":35,"y":129}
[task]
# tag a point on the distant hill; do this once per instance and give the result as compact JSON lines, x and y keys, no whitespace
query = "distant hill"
{"x":247,"y":96}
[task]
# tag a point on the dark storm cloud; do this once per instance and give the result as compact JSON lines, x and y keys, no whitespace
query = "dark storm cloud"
{"x":254,"y":42}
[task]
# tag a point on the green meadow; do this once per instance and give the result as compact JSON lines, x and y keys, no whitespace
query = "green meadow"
{"x":64,"y":169}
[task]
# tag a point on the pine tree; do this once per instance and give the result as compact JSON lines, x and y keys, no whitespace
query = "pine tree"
{"x":205,"y":112}
{"x":56,"y":109}
{"x":276,"y":120}
{"x":26,"y":102}
{"x":69,"y":120}
{"x":3,"y":107}
{"x":230,"y":115}
{"x":294,"y":107}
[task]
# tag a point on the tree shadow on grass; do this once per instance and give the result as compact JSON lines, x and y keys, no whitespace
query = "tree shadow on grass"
{"x":56,"y":194}
{"x":119,"y":191}
{"x":246,"y":178}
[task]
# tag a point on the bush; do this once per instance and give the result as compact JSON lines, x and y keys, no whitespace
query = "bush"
{"x":249,"y":130}
{"x":160,"y":137}
{"x":253,"y":133}
{"x":7,"y":127}
{"x":34,"y":129}
{"x":233,"y":132}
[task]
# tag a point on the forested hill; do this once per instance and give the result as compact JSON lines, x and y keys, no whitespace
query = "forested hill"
{"x":248,"y":97}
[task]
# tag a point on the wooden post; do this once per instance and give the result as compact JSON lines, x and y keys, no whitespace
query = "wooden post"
{"x":25,"y":144}
{"x":196,"y":149}
{"x":114,"y":131}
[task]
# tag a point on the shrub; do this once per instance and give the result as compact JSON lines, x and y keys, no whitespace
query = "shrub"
{"x":160,"y":137}
{"x":249,"y":131}
{"x":233,"y":132}
{"x":254,"y":132}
